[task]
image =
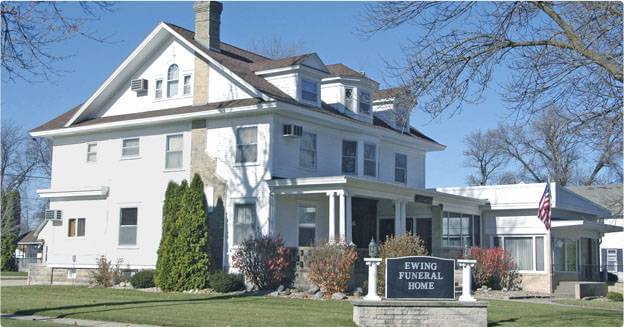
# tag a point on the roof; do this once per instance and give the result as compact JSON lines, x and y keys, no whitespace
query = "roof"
{"x":388,"y":93}
{"x":243,"y":63}
{"x":342,"y":70}
{"x":29,"y":237}
{"x":608,"y":196}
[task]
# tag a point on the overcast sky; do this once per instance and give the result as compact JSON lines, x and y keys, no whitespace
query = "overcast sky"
{"x":327,"y":28}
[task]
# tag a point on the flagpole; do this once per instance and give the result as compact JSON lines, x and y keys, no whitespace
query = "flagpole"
{"x":551,"y":252}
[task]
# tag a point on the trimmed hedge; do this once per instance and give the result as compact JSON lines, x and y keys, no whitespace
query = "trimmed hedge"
{"x":223,"y":282}
{"x":614,"y":296}
{"x":143,"y":279}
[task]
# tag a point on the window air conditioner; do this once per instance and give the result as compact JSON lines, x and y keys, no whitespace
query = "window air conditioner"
{"x":138,"y":85}
{"x":53,"y":215}
{"x":292,"y":130}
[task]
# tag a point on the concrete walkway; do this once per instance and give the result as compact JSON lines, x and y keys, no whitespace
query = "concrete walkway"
{"x":13,"y":281}
{"x":73,"y":322}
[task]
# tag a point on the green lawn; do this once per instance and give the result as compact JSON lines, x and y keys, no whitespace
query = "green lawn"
{"x":222,"y":310}
{"x":22,"y":323}
{"x":593,"y":303}
{"x":14,"y":273}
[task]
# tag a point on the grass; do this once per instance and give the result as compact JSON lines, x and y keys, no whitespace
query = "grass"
{"x":224,"y":310}
{"x":13,"y":274}
{"x":602,"y":304}
{"x":25,"y":323}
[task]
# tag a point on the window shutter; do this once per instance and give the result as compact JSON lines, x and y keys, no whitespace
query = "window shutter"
{"x":620,"y":264}
{"x":603,"y":257}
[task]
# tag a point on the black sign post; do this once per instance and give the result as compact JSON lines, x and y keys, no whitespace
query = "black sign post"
{"x":420,"y":277}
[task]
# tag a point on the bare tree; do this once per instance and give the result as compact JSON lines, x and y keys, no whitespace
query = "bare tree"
{"x":30,"y":30}
{"x":564,"y":53}
{"x":482,"y":153}
{"x":276,"y":48}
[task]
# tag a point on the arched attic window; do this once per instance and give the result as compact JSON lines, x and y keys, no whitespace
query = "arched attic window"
{"x":173,"y":74}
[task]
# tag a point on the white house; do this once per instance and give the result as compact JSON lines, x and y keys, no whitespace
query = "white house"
{"x":291,"y":147}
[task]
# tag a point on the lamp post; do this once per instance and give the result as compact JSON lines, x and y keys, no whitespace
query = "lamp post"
{"x":372,"y":262}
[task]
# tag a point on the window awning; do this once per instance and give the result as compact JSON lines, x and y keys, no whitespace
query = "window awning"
{"x":100,"y":192}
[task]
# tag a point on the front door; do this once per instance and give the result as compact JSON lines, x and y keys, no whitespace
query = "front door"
{"x":423,"y":230}
{"x":364,"y":215}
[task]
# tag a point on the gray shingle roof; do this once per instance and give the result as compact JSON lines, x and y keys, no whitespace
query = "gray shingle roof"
{"x":608,"y":196}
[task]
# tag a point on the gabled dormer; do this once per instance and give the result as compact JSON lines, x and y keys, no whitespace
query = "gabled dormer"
{"x":298,"y":76}
{"x":349,"y":92}
{"x":394,"y":106}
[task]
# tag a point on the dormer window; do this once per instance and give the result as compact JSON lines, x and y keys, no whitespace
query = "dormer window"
{"x":172,"y":80}
{"x":365,"y":103}
{"x":349,"y":98}
{"x":309,"y":90}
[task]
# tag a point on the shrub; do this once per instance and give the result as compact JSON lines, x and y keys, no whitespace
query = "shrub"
{"x":143,"y":279}
{"x":264,"y":262}
{"x":494,"y":268}
{"x":106,"y":274}
{"x":223,"y":282}
{"x":331,"y":265}
{"x":185,"y":260}
{"x":397,"y":246}
{"x":614,"y":296}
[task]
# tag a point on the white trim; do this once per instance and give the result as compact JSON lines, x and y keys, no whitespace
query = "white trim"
{"x":101,"y":191}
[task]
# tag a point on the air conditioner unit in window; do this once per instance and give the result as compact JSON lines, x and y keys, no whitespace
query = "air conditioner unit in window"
{"x":292,"y":130}
{"x":138,"y":85}
{"x":53,"y":215}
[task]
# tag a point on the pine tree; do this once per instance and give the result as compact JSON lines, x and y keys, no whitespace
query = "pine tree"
{"x":169,"y":233}
{"x":10,"y":229}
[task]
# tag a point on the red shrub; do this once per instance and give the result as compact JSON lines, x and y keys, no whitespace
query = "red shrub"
{"x":494,"y":268}
{"x":331,"y":265}
{"x":264,"y":262}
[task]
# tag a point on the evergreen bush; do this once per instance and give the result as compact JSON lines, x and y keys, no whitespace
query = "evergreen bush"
{"x":614,"y":296}
{"x":223,"y":282}
{"x":163,"y":276}
{"x":397,"y":246}
{"x":11,"y":213}
{"x":143,"y":279}
{"x":264,"y":262}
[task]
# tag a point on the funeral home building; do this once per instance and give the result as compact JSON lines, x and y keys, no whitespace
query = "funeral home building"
{"x":291,"y":147}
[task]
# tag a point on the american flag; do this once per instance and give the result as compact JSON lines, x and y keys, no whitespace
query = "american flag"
{"x":543,"y":213}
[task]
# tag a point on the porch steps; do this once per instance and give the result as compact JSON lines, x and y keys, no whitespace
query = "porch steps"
{"x":565,"y":290}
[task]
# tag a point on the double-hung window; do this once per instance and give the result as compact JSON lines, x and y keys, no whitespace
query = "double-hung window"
{"x":173,"y":74}
{"x":307,"y":225}
{"x":309,"y":90}
{"x":158,"y":89}
{"x":365,"y":102}
{"x":460,"y":230}
{"x":400,"y":168}
{"x":349,"y":98}
{"x":76,"y":227}
{"x":130,"y":147}
{"x":174,"y":152}
{"x":187,"y":85}
{"x":370,"y":160}
{"x":246,"y":144}
{"x":527,"y":252}
{"x":612,"y":262}
{"x":349,"y":157}
{"x":92,"y":152}
{"x":307,"y":150}
{"x":128,"y":226}
{"x":244,"y":222}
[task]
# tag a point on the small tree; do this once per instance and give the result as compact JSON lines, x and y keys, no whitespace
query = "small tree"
{"x":10,"y":230}
{"x":398,"y":246}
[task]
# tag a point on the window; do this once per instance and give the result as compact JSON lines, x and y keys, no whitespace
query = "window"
{"x":187,"y":85}
{"x":92,"y":152}
{"x":527,"y":252}
{"x":76,"y":227}
{"x":244,"y":222}
{"x":130,"y":148}
{"x":246,"y":144}
{"x":128,"y":226}
{"x":173,"y":155}
{"x":476,"y":226}
{"x":172,"y":80}
{"x":349,"y":98}
{"x":400,"y":168}
{"x":365,"y":103}
{"x":307,"y":225}
{"x":570,"y":255}
{"x":460,"y":230}
{"x":307,"y":150}
{"x":565,"y":255}
{"x":158,"y":89}
{"x":349,"y":157}
{"x":370,"y":160}
{"x":612,"y":260}
{"x":309,"y":90}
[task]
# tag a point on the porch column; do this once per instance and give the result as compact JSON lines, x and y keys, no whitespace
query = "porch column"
{"x":349,"y":218}
{"x":332,"y":216}
{"x":272,"y":214}
{"x":342,"y":222}
{"x":399,"y":217}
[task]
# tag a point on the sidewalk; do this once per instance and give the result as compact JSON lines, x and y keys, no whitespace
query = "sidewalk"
{"x":73,"y":322}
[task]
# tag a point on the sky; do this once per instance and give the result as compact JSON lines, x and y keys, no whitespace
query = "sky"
{"x":327,"y":28}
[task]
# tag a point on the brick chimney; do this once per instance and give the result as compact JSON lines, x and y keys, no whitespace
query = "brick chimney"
{"x":208,"y":23}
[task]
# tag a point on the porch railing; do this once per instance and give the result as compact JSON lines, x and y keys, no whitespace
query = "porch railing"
{"x":596,"y":273}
